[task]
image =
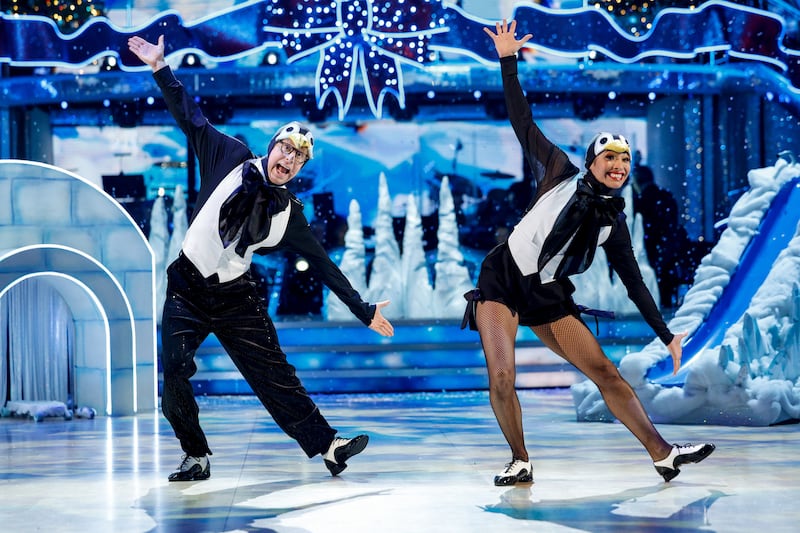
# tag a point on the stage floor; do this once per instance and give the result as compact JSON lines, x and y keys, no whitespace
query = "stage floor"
{"x":429,"y":467}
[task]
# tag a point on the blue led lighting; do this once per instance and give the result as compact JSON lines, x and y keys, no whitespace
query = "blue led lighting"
{"x":370,"y":40}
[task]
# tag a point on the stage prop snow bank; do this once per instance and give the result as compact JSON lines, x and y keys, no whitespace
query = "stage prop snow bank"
{"x":741,"y":361}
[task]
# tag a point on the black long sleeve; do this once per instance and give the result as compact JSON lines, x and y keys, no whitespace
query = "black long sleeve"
{"x":300,"y":239}
{"x":549,"y":164}
{"x":217,"y":153}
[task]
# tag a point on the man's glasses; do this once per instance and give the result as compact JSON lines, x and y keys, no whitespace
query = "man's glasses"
{"x":287,"y":150}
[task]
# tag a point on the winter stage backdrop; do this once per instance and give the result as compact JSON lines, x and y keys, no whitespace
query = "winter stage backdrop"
{"x":742,"y":357}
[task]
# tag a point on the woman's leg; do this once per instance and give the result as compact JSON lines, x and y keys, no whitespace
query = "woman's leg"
{"x":498,"y":329}
{"x":572,"y":340}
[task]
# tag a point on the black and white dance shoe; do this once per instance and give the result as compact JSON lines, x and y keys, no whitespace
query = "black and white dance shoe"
{"x":341,"y":450}
{"x":517,"y":471}
{"x":192,"y":469}
{"x":680,"y":455}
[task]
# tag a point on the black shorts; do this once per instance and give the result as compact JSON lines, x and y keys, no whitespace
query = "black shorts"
{"x":535,"y":302}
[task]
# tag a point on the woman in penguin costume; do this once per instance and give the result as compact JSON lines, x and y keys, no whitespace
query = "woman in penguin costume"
{"x":525,"y":280}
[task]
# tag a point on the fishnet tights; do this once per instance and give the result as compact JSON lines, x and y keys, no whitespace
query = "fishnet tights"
{"x":569,"y":338}
{"x":498,"y":328}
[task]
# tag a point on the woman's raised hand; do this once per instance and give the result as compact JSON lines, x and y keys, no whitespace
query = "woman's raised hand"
{"x":504,"y":41}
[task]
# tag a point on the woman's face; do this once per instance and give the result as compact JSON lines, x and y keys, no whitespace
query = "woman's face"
{"x":611,"y":168}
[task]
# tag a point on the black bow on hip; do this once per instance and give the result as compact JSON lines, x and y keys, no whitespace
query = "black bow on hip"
{"x":248,"y":211}
{"x":583,"y":216}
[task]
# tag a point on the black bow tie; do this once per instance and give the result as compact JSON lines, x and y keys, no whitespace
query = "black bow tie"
{"x":583,"y":217}
{"x":248,"y":211}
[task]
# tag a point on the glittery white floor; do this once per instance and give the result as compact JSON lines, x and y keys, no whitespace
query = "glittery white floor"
{"x":429,"y":467}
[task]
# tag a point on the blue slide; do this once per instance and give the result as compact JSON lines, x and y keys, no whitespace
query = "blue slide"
{"x":776,"y":230}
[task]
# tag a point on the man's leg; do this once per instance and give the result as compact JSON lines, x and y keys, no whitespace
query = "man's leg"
{"x":249,"y":337}
{"x":182,"y":331}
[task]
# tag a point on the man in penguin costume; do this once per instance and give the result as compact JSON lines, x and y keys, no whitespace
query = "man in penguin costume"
{"x":243,"y":207}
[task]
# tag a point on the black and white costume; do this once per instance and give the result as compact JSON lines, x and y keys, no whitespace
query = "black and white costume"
{"x":210,"y":290}
{"x":525,"y":281}
{"x":569,"y":217}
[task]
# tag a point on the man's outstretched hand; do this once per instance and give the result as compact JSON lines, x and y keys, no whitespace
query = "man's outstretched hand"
{"x":379,"y":324}
{"x":150,"y":54}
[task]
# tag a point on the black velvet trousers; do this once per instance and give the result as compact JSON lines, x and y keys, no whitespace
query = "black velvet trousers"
{"x":234,"y":312}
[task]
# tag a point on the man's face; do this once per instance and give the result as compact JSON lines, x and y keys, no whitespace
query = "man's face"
{"x":611,"y":168}
{"x":284,"y":162}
